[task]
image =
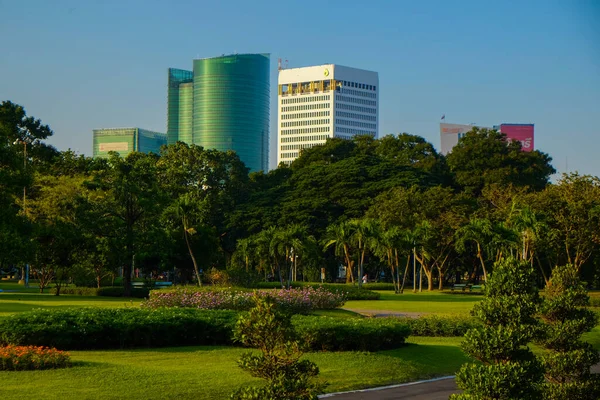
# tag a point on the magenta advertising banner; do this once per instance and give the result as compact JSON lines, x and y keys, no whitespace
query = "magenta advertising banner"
{"x":520,"y":132}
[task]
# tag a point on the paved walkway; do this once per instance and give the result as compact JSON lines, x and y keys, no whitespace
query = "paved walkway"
{"x":434,"y":389}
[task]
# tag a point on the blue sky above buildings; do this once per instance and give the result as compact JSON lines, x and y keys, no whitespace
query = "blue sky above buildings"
{"x":80,"y":65}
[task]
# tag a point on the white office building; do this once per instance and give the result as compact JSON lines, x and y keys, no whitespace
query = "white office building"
{"x":324,"y":101}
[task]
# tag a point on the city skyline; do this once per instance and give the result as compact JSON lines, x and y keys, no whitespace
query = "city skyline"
{"x":80,"y":66}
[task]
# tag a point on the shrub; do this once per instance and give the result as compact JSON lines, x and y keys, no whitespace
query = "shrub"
{"x":379,"y":286}
{"x":352,"y":334}
{"x":434,"y":325}
{"x":289,"y":300}
{"x":109,"y":291}
{"x":568,"y":360}
{"x":509,"y":369}
{"x":20,"y":358}
{"x":271,"y":332}
{"x":99,"y":328}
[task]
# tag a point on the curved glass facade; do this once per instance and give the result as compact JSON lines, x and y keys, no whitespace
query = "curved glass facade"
{"x":231,"y":106}
{"x":177,"y":78}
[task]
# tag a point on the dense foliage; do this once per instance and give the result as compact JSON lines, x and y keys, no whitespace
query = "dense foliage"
{"x":99,"y":328}
{"x":389,"y":209}
{"x":350,"y":334}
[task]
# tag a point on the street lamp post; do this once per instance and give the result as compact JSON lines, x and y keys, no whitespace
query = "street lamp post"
{"x":25,"y":139}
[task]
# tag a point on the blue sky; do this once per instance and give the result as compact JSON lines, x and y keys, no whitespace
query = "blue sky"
{"x":80,"y":65}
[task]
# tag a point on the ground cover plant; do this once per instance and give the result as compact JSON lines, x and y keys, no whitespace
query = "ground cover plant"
{"x":350,"y":292}
{"x":21,"y":358}
{"x":302,"y":300}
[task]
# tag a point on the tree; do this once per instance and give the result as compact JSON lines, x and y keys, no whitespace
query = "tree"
{"x":188,"y":212}
{"x":21,"y":151}
{"x":568,"y":360}
{"x":495,"y":238}
{"x":129,"y":199}
{"x":483,"y":157}
{"x":573,"y":219}
{"x":340,"y":236}
{"x":508,"y":369}
{"x":271,"y":332}
{"x":365,"y":232}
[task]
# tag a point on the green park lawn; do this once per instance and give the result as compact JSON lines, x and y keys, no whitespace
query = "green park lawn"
{"x":425,"y":302}
{"x":212,"y":373}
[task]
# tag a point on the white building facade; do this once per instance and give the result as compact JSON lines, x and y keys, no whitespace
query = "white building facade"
{"x":321,"y":102}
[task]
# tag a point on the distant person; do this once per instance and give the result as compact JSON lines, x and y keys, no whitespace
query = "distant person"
{"x":364,"y":279}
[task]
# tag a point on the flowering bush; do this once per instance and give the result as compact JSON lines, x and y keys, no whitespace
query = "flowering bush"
{"x":19,"y":358}
{"x":301,"y":301}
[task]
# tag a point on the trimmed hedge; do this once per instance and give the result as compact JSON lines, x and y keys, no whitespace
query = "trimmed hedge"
{"x":350,"y":292}
{"x":351,"y":334}
{"x":108,"y":291}
{"x":434,"y":325}
{"x":106,"y":328}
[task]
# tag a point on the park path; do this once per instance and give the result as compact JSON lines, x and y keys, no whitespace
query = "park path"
{"x":433,"y":389}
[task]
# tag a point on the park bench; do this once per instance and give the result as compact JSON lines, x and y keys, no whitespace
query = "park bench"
{"x":476,"y":287}
{"x":461,"y":286}
{"x":157,"y":284}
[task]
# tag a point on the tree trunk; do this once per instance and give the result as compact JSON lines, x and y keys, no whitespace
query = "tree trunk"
{"x":480,"y":256}
{"x":187,"y":242}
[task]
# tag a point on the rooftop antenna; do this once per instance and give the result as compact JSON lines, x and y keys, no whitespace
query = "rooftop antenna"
{"x":285,"y":65}
{"x":279,"y":67}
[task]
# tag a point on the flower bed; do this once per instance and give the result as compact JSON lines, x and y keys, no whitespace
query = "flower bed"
{"x":301,"y":301}
{"x":20,"y":358}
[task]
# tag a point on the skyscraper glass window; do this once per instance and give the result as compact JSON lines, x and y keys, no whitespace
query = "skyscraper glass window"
{"x":223,"y":104}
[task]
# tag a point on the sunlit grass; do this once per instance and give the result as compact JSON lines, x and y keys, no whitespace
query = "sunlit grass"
{"x":11,"y":302}
{"x":426,"y":303}
{"x":212,"y":372}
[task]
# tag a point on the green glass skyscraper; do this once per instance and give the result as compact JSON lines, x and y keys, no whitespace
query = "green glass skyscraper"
{"x":223,"y":104}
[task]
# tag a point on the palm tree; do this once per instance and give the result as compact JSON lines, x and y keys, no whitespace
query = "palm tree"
{"x":245,"y":250}
{"x":479,"y":231}
{"x":363,"y":237}
{"x":185,"y":208}
{"x":388,"y":243}
{"x":286,"y":244}
{"x":340,"y":236}
{"x":526,"y":221}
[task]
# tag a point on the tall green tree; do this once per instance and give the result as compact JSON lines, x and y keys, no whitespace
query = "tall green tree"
{"x":131,"y":200}
{"x":483,"y":157}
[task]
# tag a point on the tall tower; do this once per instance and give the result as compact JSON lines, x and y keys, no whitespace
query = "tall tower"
{"x":224,"y":104}
{"x":324,"y":101}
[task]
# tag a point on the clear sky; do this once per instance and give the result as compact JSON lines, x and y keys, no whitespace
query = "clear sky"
{"x":85,"y":64}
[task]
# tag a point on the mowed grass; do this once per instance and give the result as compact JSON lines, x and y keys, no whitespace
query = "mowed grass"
{"x":14,"y":302}
{"x":212,"y":372}
{"x":425,"y":303}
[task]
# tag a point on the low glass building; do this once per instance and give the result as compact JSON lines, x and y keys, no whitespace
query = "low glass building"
{"x":126,"y":140}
